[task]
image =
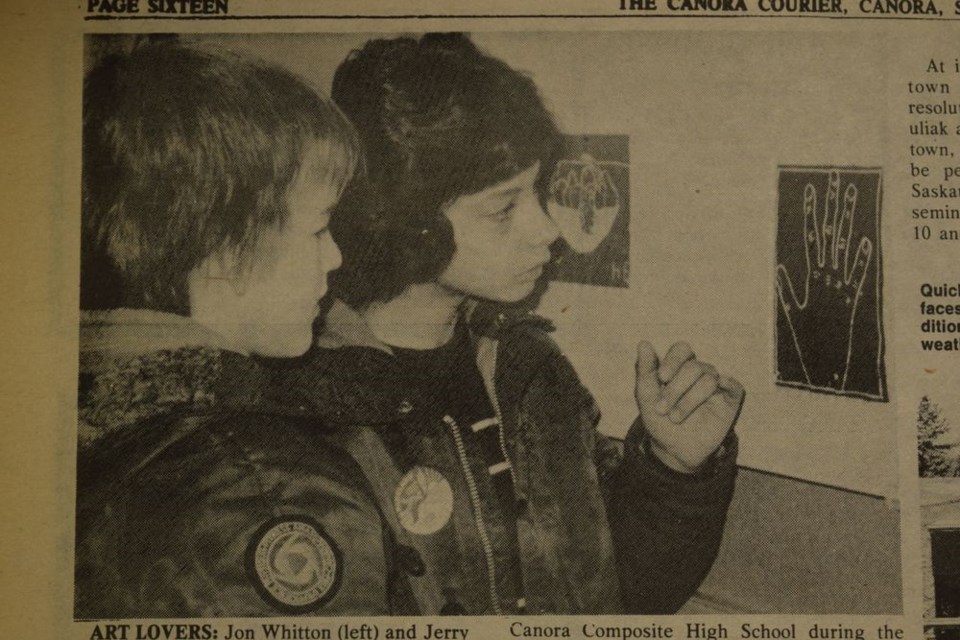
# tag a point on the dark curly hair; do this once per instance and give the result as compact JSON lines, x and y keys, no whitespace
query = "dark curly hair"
{"x":437,"y":119}
{"x":187,"y":151}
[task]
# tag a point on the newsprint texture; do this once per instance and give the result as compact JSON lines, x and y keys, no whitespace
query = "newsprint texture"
{"x":445,"y":320}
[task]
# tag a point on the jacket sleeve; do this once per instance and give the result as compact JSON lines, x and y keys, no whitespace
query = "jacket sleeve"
{"x":238,"y":519}
{"x":666,"y":526}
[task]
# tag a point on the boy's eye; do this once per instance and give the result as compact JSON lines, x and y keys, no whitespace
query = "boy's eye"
{"x":504,"y":214}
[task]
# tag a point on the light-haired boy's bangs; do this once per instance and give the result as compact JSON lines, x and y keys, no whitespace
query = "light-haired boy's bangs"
{"x":336,"y":162}
{"x":330,"y":158}
{"x":335,"y":151}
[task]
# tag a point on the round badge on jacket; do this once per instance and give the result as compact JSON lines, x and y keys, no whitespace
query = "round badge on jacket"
{"x":293,"y":564}
{"x":423,"y":501}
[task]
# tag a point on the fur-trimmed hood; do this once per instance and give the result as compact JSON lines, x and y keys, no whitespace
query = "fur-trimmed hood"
{"x":139,"y":364}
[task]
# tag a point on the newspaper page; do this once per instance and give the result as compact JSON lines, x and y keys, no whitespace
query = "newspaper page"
{"x":446,"y":320}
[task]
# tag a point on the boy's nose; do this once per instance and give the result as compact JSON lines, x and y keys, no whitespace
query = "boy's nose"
{"x":331,"y":256}
{"x":543,"y":230}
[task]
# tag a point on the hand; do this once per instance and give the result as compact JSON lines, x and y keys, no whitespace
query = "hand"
{"x":821,"y":318}
{"x":686,"y":407}
{"x":584,"y":202}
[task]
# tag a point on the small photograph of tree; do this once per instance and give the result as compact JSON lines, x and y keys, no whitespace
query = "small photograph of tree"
{"x":939,"y":454}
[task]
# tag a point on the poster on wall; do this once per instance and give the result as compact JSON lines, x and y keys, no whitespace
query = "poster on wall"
{"x":589,"y":199}
{"x":829,"y":327}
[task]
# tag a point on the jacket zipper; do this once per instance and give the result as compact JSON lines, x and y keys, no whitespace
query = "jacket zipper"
{"x":496,"y":410}
{"x":478,"y":519}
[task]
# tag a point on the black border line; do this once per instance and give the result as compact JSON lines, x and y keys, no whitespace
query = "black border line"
{"x":947,"y":18}
{"x":819,"y":483}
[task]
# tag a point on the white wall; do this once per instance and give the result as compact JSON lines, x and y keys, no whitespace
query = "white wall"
{"x":710,"y":117}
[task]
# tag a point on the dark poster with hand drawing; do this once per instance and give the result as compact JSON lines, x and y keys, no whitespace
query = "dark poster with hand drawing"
{"x":829,"y":327}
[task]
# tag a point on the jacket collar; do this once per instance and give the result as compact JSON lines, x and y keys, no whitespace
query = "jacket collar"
{"x":351,"y":377}
{"x":345,"y":327}
{"x":348,"y":377}
{"x":139,"y":364}
{"x":107,"y":337}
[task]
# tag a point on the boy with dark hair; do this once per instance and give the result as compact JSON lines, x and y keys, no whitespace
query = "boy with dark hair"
{"x":435,"y":127}
{"x":496,"y":492}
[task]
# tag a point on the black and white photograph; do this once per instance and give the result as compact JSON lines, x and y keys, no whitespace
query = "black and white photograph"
{"x":940,"y":514}
{"x":420,"y":324}
{"x":938,"y":440}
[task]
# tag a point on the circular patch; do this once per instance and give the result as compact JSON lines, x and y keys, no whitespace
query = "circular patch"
{"x":423,"y":501}
{"x":294,"y":565}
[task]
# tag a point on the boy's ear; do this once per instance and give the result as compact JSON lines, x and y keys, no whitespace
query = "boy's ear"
{"x":223,"y":264}
{"x":226,"y":265}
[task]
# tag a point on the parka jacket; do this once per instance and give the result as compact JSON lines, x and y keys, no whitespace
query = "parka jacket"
{"x":593,"y":530}
{"x":200,"y":495}
{"x":210,"y":485}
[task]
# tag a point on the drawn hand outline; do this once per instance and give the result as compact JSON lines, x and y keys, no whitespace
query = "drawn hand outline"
{"x":821,"y":323}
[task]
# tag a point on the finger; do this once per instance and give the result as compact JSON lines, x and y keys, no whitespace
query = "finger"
{"x":731,"y":388}
{"x":558,"y":190}
{"x":575,"y":192}
{"x":587,"y":183}
{"x":648,"y":384}
{"x":861,"y":263}
{"x":613,"y":196}
{"x":678,"y":354}
{"x":557,"y":186}
{"x":701,"y":391}
{"x":786,"y":294}
{"x":680,"y":385}
{"x":569,"y":190}
{"x":845,"y":230}
{"x":733,"y":393}
{"x":592,"y":195}
{"x":785,"y":286}
{"x":829,"y":236}
{"x":599,"y":187}
{"x":811,"y":232}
